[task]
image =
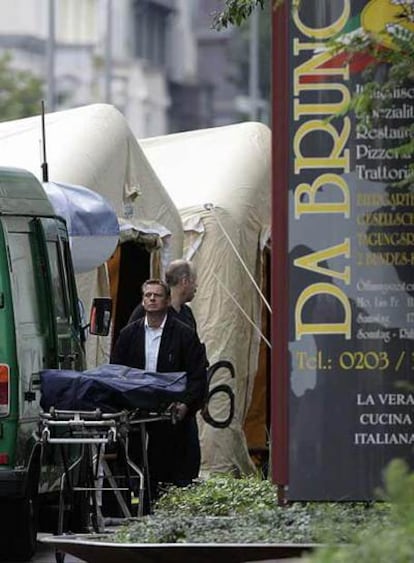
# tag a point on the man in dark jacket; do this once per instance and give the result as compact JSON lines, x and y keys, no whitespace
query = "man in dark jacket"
{"x":161,"y":342}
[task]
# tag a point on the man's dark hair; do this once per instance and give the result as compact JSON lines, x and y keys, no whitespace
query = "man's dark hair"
{"x":177,"y":270}
{"x":157,"y":282}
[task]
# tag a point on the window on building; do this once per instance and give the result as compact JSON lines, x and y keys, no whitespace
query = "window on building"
{"x":151,"y":18}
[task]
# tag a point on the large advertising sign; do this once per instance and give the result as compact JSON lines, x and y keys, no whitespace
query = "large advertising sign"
{"x":351,"y":259}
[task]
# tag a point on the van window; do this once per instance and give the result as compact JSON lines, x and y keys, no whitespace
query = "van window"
{"x":59,"y":278}
{"x":25,"y":302}
{"x":57,"y":281}
{"x":69,"y":279}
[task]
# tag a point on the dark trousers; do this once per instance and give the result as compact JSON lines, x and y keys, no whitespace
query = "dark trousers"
{"x":174,"y":451}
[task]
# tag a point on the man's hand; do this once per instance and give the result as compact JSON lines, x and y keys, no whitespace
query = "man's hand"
{"x":179,"y":410}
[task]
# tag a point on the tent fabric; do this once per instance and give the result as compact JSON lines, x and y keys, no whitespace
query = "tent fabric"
{"x":93,"y":146}
{"x":219,"y":179}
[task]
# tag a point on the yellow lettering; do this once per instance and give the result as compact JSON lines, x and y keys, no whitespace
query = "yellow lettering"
{"x":333,"y":160}
{"x":310,"y":191}
{"x":311,"y":261}
{"x":327,"y":31}
{"x":312,"y":291}
{"x":300,"y":109}
{"x":314,"y":67}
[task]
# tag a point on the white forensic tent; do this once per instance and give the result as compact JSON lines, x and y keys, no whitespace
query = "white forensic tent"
{"x":93,"y":146}
{"x":219,"y":179}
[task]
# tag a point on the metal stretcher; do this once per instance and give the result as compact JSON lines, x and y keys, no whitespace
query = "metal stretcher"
{"x":84,"y":438}
{"x":81,"y":483}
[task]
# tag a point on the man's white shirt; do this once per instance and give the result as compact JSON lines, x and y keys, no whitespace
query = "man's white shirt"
{"x":152,"y":344}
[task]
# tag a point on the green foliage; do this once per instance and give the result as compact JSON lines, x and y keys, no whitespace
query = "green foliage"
{"x":235,"y":12}
{"x":393,"y":67}
{"x":221,"y":495}
{"x":382,"y":541}
{"x":396,"y":67}
{"x":20,"y":92}
{"x":291,"y":524}
{"x":399,"y":491}
{"x":226,"y":509}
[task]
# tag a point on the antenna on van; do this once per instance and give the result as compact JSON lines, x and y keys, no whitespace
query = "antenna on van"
{"x":45,"y":170}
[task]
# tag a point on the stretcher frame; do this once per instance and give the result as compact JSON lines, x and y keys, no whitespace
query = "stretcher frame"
{"x":92,"y":430}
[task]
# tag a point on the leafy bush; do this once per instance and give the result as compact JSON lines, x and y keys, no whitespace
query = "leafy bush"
{"x":226,"y":509}
{"x":221,"y":495}
{"x":382,"y":541}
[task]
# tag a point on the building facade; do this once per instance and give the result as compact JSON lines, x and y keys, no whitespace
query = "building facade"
{"x":158,"y":61}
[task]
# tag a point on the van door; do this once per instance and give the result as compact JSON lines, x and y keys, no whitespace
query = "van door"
{"x":47,"y":324}
{"x":35,"y":344}
{"x":55,"y":240}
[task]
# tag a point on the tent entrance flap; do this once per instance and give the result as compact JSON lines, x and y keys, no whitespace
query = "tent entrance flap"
{"x":128,"y":270}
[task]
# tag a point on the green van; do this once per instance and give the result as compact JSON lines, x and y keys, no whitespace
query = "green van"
{"x":40,"y":327}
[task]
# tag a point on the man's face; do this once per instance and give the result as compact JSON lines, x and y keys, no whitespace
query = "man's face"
{"x":155,"y":299}
{"x":189,"y":284}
